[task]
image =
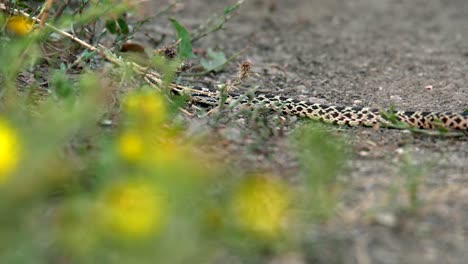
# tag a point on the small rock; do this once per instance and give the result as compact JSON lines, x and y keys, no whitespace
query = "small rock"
{"x":429,"y":87}
{"x":386,"y":219}
{"x":357,"y":102}
{"x":302,"y":88}
{"x":106,"y":122}
{"x":400,"y":151}
{"x":395,"y":97}
{"x":364,"y":153}
{"x":316,"y":100}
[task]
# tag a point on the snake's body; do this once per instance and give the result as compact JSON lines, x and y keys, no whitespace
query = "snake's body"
{"x":350,"y":116}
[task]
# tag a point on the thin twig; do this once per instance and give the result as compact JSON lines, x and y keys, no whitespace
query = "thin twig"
{"x":218,"y":23}
{"x":60,"y":10}
{"x":45,"y":12}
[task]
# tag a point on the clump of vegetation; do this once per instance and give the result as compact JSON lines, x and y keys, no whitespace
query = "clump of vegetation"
{"x":95,"y":164}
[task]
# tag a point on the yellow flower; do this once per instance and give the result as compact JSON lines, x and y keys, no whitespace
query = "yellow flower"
{"x":146,"y":105}
{"x":261,"y":206}
{"x":9,"y":150}
{"x":131,"y":146}
{"x":133,"y":210}
{"x":19,"y":25}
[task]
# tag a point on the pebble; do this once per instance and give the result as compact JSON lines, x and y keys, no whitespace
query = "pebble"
{"x":386,"y":219}
{"x":357,"y":102}
{"x":429,"y":87}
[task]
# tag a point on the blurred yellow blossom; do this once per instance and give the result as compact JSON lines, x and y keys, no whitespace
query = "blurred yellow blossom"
{"x":261,"y":205}
{"x":9,"y":150}
{"x":149,"y":106}
{"x":133,"y":210}
{"x":19,"y":25}
{"x":157,"y":149}
{"x":131,"y":146}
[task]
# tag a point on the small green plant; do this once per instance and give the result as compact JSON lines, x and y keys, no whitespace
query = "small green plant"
{"x":321,"y":157}
{"x":217,"y":22}
{"x":413,"y":177}
{"x":216,"y":61}
{"x":405,"y":194}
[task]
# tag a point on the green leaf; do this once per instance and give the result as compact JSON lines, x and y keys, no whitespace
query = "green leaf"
{"x":185,"y":46}
{"x":117,"y":26}
{"x":123,"y":26}
{"x":87,"y":54}
{"x":231,"y":9}
{"x":111,"y":26}
{"x":61,"y":85}
{"x":216,"y":61}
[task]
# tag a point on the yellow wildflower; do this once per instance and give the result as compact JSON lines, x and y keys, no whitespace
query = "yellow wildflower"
{"x":19,"y":25}
{"x":133,"y":210}
{"x":261,"y":206}
{"x":9,"y":150}
{"x":147,"y":105}
{"x":131,"y":146}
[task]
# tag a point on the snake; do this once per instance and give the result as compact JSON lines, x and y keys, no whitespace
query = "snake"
{"x":338,"y":115}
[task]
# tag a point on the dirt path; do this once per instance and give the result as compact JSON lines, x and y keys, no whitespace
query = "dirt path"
{"x":412,"y":54}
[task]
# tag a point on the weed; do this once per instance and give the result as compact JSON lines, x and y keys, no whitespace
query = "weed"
{"x":413,"y":175}
{"x":321,"y":158}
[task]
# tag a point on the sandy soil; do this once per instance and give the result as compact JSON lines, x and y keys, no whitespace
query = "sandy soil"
{"x":412,"y":54}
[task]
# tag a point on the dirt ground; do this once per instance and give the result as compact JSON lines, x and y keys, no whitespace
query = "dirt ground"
{"x":412,"y":54}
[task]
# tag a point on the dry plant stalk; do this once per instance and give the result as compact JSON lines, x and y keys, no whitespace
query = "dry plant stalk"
{"x":45,"y":13}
